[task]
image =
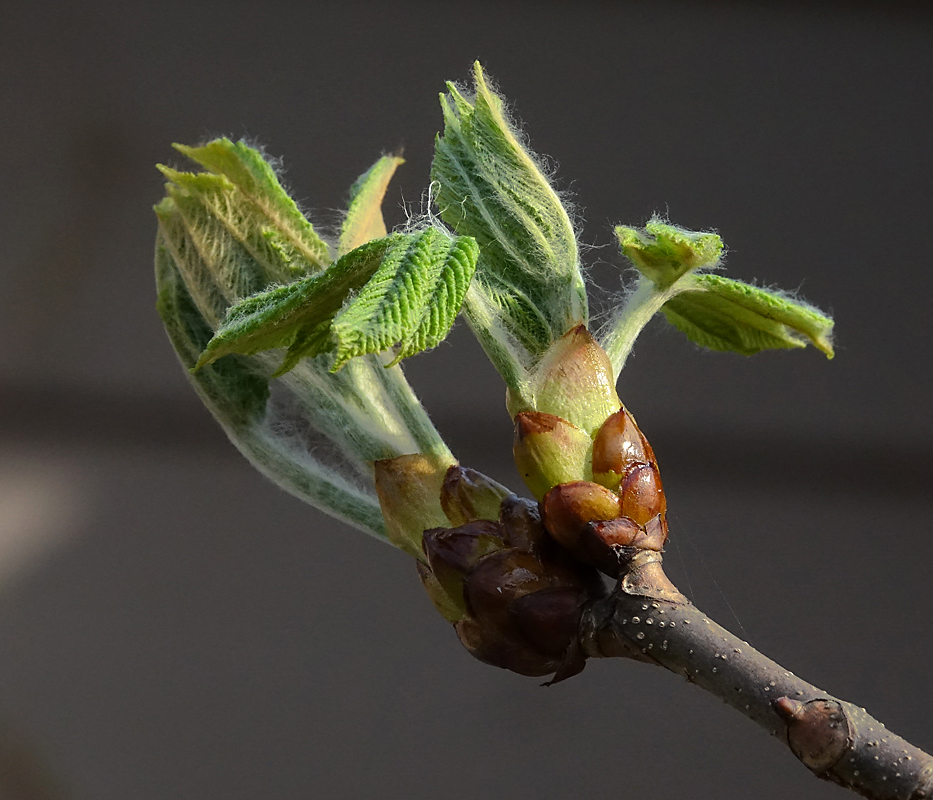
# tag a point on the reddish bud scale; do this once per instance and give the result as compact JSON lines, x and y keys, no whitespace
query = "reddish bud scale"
{"x":568,"y":508}
{"x":618,"y":445}
{"x":607,"y":521}
{"x":452,"y":552}
{"x":641,"y":493}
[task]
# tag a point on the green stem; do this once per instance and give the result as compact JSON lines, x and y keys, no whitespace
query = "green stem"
{"x":412,"y":413}
{"x":640,"y":307}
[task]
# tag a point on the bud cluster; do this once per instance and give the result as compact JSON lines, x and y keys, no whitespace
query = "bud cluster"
{"x":515,"y":596}
{"x":617,"y":508}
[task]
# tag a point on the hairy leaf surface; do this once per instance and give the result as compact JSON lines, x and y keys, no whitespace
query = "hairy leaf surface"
{"x":237,"y":389}
{"x":269,"y":210}
{"x":364,"y":220}
{"x":664,"y":253}
{"x":528,"y":290}
{"x":403,"y":289}
{"x":725,"y":314}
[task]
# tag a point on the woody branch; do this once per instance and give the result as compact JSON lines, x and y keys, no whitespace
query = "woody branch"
{"x":648,"y":620}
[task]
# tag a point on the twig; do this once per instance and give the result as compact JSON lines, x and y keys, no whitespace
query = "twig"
{"x":647,"y":619}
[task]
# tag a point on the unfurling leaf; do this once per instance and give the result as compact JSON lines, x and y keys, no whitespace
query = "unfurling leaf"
{"x":663,"y":252}
{"x":224,"y":236}
{"x":364,"y":220}
{"x":413,"y":298}
{"x":528,"y":290}
{"x":252,"y":202}
{"x":236,"y":390}
{"x":725,"y":314}
{"x":297,"y":315}
{"x":403,"y":289}
{"x":712,"y":311}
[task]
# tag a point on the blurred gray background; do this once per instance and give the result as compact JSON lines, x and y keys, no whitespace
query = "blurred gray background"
{"x":172,"y":626}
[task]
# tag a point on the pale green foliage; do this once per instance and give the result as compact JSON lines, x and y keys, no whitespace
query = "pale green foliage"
{"x":663,"y":252}
{"x":297,"y":315}
{"x":259,"y":208}
{"x":364,"y":220}
{"x":413,"y":298}
{"x":224,"y":237}
{"x":408,"y":289}
{"x":713,"y":311}
{"x":236,"y":391}
{"x":725,"y":314}
{"x":528,"y":290}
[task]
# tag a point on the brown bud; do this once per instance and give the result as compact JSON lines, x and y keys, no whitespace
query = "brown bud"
{"x":610,"y":545}
{"x":569,"y":507}
{"x":523,"y":606}
{"x":622,"y":531}
{"x":549,"y":619}
{"x":452,"y":552}
{"x":492,"y":646}
{"x":641,"y":493}
{"x":468,"y":495}
{"x":617,"y":446}
{"x":525,"y":612}
{"x":499,"y":579}
{"x":520,"y":521}
{"x":549,"y":450}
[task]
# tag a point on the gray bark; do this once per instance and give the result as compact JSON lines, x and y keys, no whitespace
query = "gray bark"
{"x":647,"y":619}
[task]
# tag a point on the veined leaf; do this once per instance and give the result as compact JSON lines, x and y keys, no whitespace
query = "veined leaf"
{"x":413,"y":298}
{"x":298,"y":314}
{"x":269,"y":210}
{"x":237,"y":390}
{"x":410,"y":289}
{"x":528,"y":290}
{"x":712,"y":311}
{"x":725,"y":314}
{"x":663,"y":253}
{"x":364,"y":220}
{"x":313,"y":433}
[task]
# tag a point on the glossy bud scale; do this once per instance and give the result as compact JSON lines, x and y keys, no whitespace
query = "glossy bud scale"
{"x":607,"y":521}
{"x":514,"y":596}
{"x":617,"y":446}
{"x":568,"y":508}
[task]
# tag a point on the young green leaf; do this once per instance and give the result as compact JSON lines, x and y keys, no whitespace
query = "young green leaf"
{"x":413,"y":298}
{"x":725,"y":314}
{"x":364,"y":220}
{"x":410,"y":289}
{"x":225,"y":237}
{"x":528,"y":290}
{"x":297,"y":315}
{"x":236,"y":391}
{"x":259,"y":202}
{"x":663,"y":253}
{"x":712,"y":311}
